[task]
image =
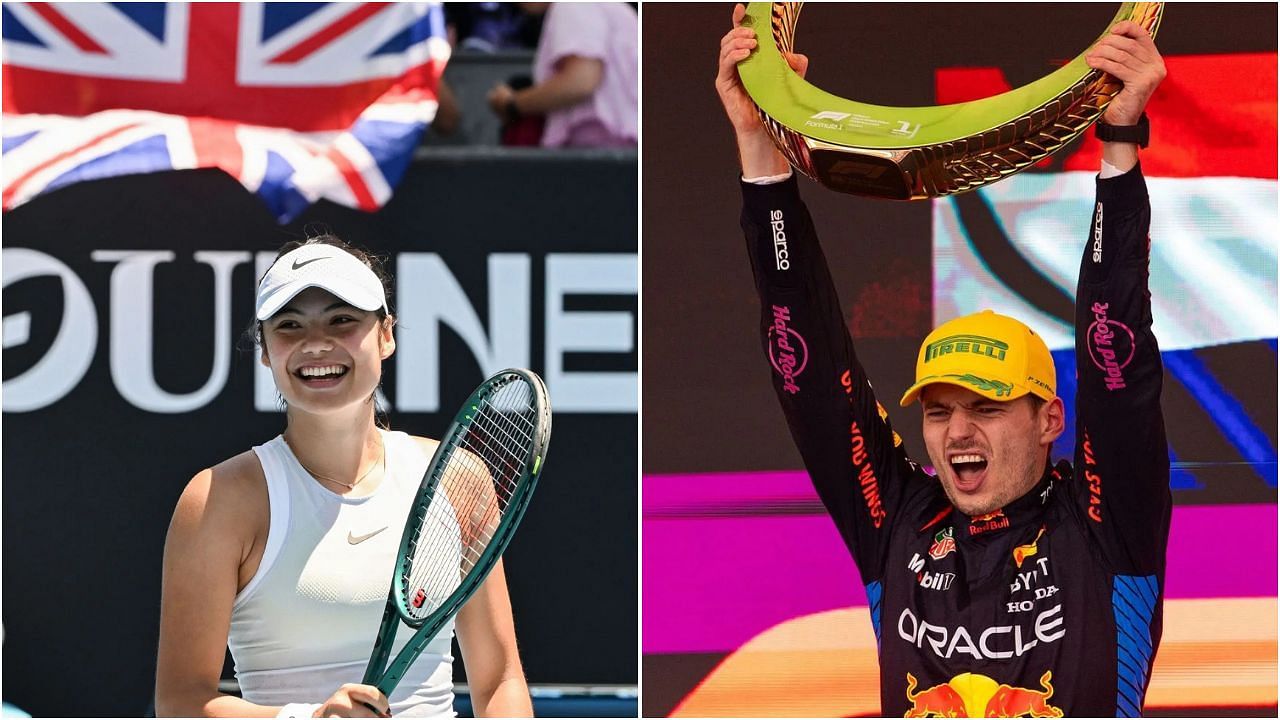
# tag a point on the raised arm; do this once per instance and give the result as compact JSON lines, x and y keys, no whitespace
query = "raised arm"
{"x":756,"y":153}
{"x":1122,"y":456}
{"x":851,"y":453}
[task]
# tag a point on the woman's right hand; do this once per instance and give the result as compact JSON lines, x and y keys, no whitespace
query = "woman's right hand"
{"x":355,"y":701}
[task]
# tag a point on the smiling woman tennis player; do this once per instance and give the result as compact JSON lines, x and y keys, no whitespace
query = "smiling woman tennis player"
{"x":285,"y":552}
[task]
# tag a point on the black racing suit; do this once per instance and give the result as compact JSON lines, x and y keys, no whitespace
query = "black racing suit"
{"x":1052,"y":605}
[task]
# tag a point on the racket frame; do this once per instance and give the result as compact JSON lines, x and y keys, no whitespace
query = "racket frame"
{"x":387,"y":676}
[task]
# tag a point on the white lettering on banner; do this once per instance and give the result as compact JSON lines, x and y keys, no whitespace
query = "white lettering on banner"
{"x":17,"y":329}
{"x":68,"y":359}
{"x":946,"y":642}
{"x":131,"y":336}
{"x":429,"y":296}
{"x":590,"y":274}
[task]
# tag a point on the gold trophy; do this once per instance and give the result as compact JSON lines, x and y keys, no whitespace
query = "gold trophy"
{"x":914,"y":153}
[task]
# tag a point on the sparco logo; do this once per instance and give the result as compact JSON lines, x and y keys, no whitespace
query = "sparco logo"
{"x":1110,"y":349}
{"x":1097,"y":235}
{"x":781,"y":258}
{"x":432,"y":301}
{"x":993,"y":643}
{"x":787,"y":350}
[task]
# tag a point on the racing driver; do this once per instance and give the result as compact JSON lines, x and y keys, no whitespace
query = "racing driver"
{"x":1007,"y":584}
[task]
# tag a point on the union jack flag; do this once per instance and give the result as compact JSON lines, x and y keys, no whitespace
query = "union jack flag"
{"x":297,"y":101}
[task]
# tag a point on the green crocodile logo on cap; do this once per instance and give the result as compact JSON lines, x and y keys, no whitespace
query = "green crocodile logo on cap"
{"x":1001,"y":389}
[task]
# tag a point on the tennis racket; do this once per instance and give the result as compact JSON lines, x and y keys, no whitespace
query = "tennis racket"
{"x":471,"y":499}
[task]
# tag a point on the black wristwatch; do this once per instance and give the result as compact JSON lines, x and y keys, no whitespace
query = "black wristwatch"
{"x":1139,"y":134}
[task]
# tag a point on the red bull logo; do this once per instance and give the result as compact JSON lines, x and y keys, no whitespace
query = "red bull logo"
{"x":986,"y":523}
{"x":974,"y":695}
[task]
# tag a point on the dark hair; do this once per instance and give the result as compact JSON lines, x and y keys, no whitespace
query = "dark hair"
{"x":251,"y":339}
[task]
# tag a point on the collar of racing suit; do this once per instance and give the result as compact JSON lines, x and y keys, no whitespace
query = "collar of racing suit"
{"x":1024,"y":511}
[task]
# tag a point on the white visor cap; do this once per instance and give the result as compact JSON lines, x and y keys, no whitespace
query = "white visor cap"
{"x":326,"y":267}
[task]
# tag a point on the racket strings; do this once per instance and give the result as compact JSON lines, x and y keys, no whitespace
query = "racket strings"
{"x":494,"y":438}
{"x":478,"y":478}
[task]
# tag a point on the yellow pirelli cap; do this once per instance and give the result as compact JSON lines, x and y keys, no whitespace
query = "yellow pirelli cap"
{"x":991,"y":354}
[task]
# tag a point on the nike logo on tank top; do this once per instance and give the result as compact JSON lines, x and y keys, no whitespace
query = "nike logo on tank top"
{"x":305,"y":623}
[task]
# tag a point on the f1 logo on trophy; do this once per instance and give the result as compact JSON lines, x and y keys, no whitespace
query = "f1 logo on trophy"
{"x":915,"y":153}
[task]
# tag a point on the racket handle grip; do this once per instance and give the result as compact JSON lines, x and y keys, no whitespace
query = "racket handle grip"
{"x":373,"y":709}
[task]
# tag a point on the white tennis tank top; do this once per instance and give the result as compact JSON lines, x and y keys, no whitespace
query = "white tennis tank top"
{"x":306,"y":622}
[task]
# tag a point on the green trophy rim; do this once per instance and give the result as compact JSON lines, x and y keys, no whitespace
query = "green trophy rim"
{"x":793,"y":102}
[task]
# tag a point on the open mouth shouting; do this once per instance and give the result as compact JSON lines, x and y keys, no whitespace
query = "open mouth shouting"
{"x":321,"y":376}
{"x":969,"y":469}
